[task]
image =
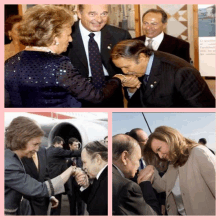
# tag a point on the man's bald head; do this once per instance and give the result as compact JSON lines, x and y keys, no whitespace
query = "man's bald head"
{"x":140,"y":135}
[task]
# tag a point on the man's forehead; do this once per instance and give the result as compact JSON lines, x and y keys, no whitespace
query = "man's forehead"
{"x":94,"y":8}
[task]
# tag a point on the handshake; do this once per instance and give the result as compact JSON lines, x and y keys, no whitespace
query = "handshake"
{"x":80,"y":177}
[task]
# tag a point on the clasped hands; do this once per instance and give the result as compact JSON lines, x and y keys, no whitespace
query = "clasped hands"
{"x":130,"y":81}
{"x":81,"y":177}
{"x":147,"y":174}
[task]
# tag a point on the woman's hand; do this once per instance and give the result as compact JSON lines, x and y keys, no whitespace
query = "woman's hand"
{"x":147,"y":174}
{"x":54,"y":202}
{"x":81,"y":178}
{"x":129,"y":81}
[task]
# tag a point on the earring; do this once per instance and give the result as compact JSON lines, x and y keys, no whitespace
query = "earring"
{"x":57,"y":43}
{"x":9,"y":37}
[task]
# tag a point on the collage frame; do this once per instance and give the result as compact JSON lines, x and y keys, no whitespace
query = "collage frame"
{"x":111,"y":111}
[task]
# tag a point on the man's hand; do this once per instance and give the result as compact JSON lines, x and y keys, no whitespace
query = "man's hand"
{"x":132,"y":82}
{"x":147,"y":174}
{"x":81,"y":178}
{"x":54,"y":202}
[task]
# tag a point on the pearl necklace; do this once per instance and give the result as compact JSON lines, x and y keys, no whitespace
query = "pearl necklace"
{"x":45,"y":49}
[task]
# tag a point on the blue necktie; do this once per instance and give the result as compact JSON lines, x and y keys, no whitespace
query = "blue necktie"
{"x":95,"y":63}
{"x":141,"y":164}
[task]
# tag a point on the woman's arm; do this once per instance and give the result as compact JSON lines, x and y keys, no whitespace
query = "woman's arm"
{"x":81,"y":88}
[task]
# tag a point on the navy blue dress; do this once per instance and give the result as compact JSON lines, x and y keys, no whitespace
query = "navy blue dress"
{"x":43,"y":79}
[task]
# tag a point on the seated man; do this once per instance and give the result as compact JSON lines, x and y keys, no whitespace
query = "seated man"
{"x":95,"y":164}
{"x":129,"y":198}
{"x":167,"y":80}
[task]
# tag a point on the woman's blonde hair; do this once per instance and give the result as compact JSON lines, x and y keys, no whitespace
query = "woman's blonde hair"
{"x":41,"y":23}
{"x":180,"y":146}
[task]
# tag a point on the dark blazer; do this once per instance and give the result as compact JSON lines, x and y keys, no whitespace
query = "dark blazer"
{"x":131,"y":199}
{"x":42,"y":79}
{"x":39,"y":205}
{"x":110,"y":36}
{"x":56,"y":157}
{"x":18,"y":183}
{"x":173,"y":82}
{"x":173,"y":45}
{"x":96,"y":195}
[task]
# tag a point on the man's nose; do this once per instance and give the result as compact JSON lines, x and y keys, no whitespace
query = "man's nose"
{"x":99,"y":18}
{"x":160,"y":155}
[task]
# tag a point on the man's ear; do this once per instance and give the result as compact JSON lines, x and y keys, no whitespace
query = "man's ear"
{"x":79,"y":14}
{"x":143,"y":58}
{"x":98,"y":158}
{"x":124,"y":157}
{"x":164,"y":26}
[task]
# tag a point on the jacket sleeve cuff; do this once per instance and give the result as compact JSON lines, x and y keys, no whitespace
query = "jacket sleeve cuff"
{"x":55,"y":186}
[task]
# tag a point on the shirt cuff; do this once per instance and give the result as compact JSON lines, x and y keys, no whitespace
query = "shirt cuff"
{"x":82,"y":188}
{"x":130,"y":94}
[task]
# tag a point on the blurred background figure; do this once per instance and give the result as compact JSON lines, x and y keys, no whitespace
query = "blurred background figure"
{"x":203,"y":141}
{"x":77,"y":206}
{"x":106,"y":140}
{"x":11,"y":31}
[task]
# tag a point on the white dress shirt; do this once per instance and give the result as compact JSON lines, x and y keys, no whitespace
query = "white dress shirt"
{"x":156,"y":41}
{"x":85,"y":37}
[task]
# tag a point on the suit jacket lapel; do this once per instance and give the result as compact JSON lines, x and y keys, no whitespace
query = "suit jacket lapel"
{"x":97,"y":184}
{"x":154,"y":78}
{"x":106,"y":46}
{"x":78,"y":45}
{"x":30,"y":163}
{"x":164,"y":46}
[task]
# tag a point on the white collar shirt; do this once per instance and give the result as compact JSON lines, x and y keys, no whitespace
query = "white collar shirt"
{"x":85,"y":38}
{"x":156,"y":41}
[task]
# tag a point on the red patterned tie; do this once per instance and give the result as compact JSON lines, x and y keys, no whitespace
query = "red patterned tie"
{"x":98,"y":78}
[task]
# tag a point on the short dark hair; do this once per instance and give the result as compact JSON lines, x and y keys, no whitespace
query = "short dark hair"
{"x":58,"y":140}
{"x":97,"y":147}
{"x":130,"y":49}
{"x":20,"y":131}
{"x":133,"y":133}
{"x":203,"y":141}
{"x":10,"y":21}
{"x":71,"y":140}
{"x":158,"y":11}
{"x":121,"y":143}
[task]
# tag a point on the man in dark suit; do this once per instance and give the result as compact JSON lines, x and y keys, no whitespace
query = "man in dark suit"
{"x":129,"y":198}
{"x":167,"y":80}
{"x":56,"y":156}
{"x":95,"y":165}
{"x":154,"y":22}
{"x":76,"y":203}
{"x":93,"y":19}
{"x":36,"y":167}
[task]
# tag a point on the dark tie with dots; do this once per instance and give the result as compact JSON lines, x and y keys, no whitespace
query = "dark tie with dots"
{"x":98,"y":78}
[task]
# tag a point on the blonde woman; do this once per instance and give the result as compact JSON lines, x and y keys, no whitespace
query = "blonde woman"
{"x":189,"y":182}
